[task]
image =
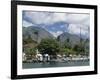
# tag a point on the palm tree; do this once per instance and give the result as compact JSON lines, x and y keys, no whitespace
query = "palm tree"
{"x":36,"y":33}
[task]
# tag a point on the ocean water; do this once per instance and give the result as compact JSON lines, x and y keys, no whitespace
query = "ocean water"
{"x":56,"y":64}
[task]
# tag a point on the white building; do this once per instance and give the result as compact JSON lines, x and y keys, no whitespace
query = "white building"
{"x":23,"y":56}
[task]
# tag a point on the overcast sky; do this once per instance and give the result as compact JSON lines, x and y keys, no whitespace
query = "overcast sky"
{"x":57,"y":23}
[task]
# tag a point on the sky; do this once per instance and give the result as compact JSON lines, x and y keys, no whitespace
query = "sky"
{"x":56,"y":22}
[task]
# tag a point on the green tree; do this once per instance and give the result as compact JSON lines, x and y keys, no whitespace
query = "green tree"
{"x":86,"y":42}
{"x":67,"y":44}
{"x":37,"y":34}
{"x":79,"y":48}
{"x":30,"y":52}
{"x":49,"y":46}
{"x":27,"y":40}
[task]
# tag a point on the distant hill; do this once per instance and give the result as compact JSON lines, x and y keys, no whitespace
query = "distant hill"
{"x":36,"y":33}
{"x":72,"y":38}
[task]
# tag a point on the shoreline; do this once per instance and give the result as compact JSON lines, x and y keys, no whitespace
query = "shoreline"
{"x":56,"y":60}
{"x":71,"y":63}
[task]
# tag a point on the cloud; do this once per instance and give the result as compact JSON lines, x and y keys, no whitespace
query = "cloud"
{"x":77,"y":29}
{"x":77,"y":18}
{"x":57,"y":17}
{"x":57,"y":33}
{"x":37,"y":17}
{"x":26,"y":24}
{"x":52,"y":17}
{"x":74,"y":21}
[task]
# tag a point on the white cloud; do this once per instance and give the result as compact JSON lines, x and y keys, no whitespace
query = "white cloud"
{"x":56,"y":17}
{"x":38,"y":17}
{"x":77,"y":29}
{"x":43,"y":26}
{"x":26,"y":24}
{"x":86,"y":22}
{"x":75,"y":21}
{"x":57,"y":33}
{"x":77,"y":18}
{"x":51,"y":17}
